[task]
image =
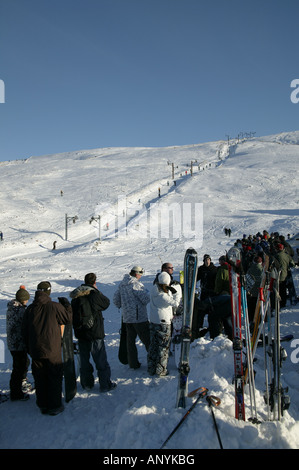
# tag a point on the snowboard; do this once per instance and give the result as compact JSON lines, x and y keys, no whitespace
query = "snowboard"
{"x":122,"y":351}
{"x":69,"y":371}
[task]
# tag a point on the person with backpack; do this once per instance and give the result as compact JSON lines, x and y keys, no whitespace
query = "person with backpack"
{"x":87,"y":304}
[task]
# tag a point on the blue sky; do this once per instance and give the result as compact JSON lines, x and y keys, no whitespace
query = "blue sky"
{"x":82,"y":74}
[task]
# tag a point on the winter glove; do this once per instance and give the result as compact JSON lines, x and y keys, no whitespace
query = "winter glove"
{"x":171,"y":289}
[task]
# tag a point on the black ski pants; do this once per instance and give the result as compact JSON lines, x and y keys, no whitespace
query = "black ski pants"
{"x":48,"y":383}
{"x":143,"y":331}
{"x":19,"y":372}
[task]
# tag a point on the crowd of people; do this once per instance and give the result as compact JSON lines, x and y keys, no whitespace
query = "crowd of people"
{"x":214,"y":298}
{"x":36,"y":330}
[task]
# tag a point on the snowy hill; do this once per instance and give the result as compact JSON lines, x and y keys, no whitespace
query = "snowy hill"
{"x":249,"y":186}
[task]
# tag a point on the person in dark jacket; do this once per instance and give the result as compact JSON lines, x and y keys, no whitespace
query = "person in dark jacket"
{"x":219,"y":316}
{"x":42,"y":333}
{"x":254,"y":273}
{"x":91,"y":340}
{"x":206,"y":274}
{"x":222,"y":277}
{"x":285,"y":262}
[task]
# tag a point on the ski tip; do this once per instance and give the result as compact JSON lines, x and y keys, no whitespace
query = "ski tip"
{"x":191,"y":251}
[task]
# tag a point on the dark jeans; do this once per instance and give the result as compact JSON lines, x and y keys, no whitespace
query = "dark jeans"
{"x":48,"y":383}
{"x":19,"y":372}
{"x":143,"y":331}
{"x":96,"y":349}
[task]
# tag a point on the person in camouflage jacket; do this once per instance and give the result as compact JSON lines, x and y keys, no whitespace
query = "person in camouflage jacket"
{"x":132,"y":298}
{"x":16,"y":344}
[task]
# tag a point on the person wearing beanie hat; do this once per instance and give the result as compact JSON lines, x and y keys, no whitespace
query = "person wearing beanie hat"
{"x":44,"y":286}
{"x":22,"y":295}
{"x":42,"y":332}
{"x":222,"y":277}
{"x":132,"y":298}
{"x":16,"y":345}
{"x":163,"y":299}
{"x":164,"y":279}
{"x":206,"y":275}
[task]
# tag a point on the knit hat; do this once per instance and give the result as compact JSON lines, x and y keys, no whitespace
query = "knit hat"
{"x":44,"y":286}
{"x":22,"y":294}
{"x":164,"y":278}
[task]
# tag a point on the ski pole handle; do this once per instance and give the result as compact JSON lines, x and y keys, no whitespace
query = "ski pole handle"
{"x":212,"y":400}
{"x":197,"y":391}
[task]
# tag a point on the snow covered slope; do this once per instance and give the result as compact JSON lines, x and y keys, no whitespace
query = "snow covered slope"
{"x":248,"y":186}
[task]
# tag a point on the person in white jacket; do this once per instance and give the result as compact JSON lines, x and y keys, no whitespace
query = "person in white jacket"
{"x":163,"y":299}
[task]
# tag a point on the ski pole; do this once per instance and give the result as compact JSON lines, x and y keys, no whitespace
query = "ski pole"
{"x":249,"y":355}
{"x":277,"y":384}
{"x":214,"y":401}
{"x":202,"y":393}
{"x":267,"y":396}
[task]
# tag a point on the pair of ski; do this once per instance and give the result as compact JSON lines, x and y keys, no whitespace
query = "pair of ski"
{"x":244,"y":374}
{"x":275,"y":396}
{"x":183,"y":340}
{"x":234,"y":266}
{"x":190,"y":276}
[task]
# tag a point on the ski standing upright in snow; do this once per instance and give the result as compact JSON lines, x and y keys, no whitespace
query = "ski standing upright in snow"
{"x":234,"y":258}
{"x":278,"y":398}
{"x":190,"y":275}
{"x":251,"y":378}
